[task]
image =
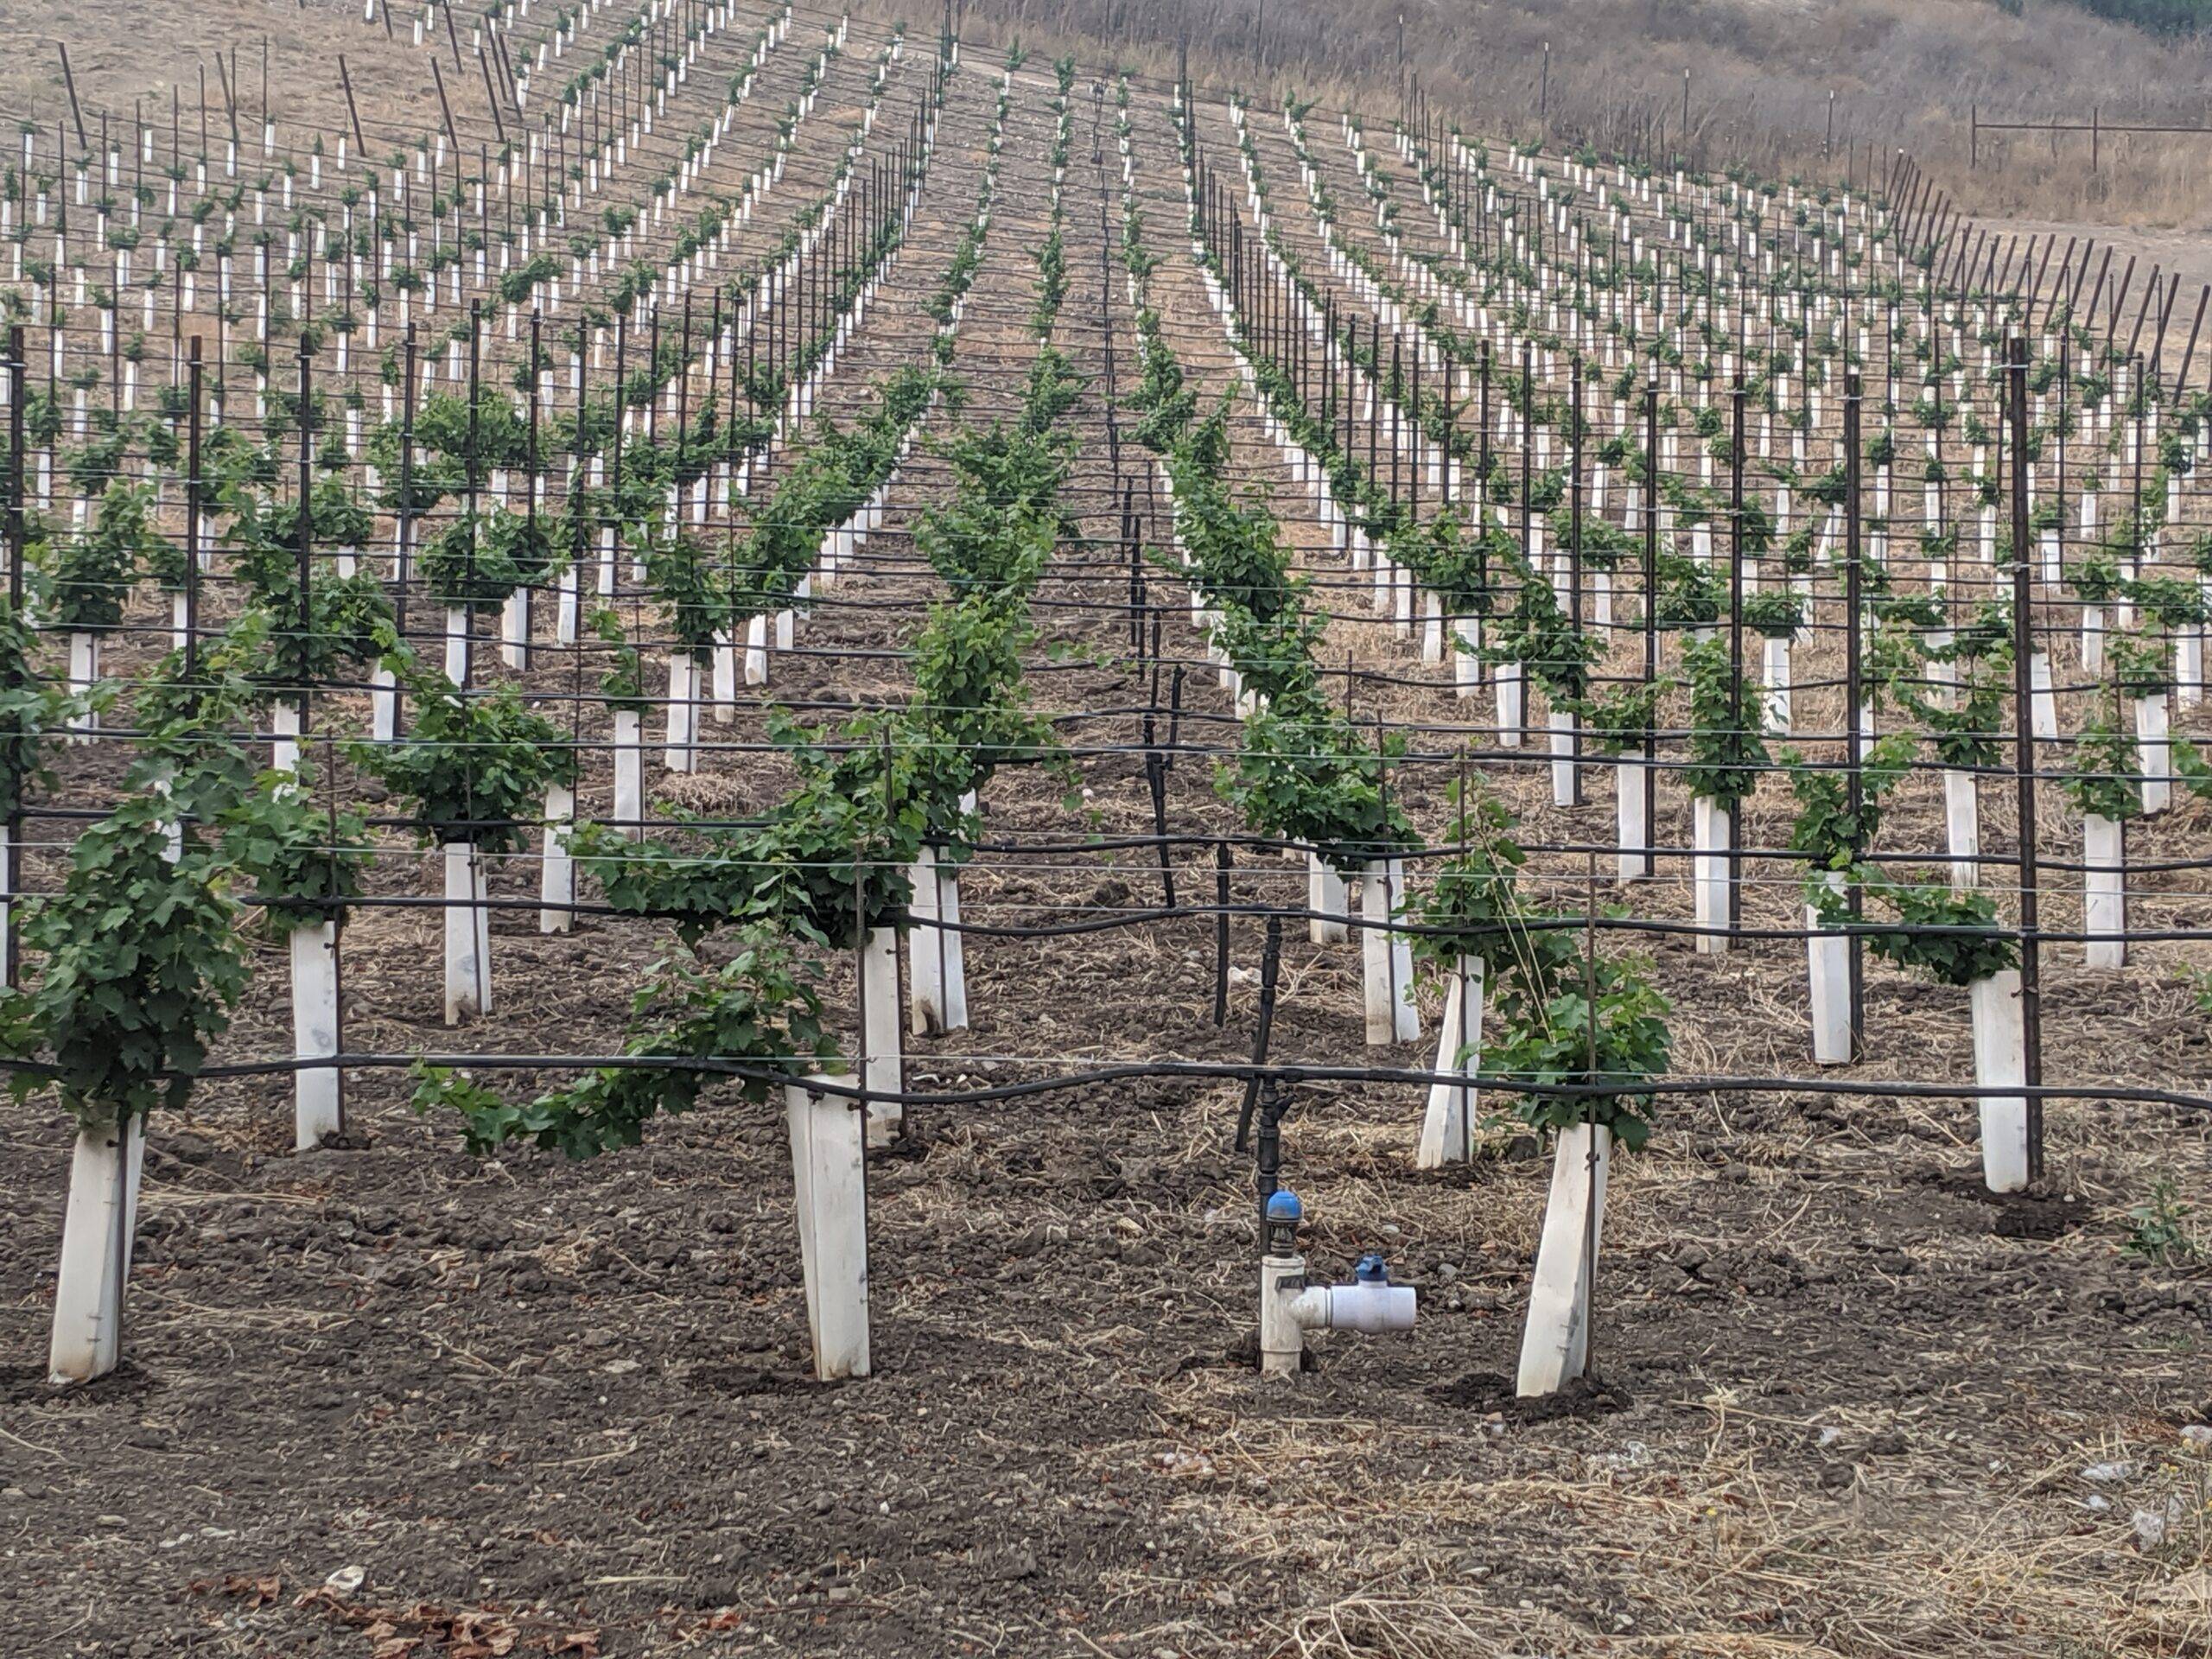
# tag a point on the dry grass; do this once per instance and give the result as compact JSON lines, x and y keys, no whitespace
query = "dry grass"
{"x":136,"y":53}
{"x":1904,"y":73}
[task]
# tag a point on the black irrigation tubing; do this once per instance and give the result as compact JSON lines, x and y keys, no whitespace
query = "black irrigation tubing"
{"x":1252,"y":841}
{"x":1525,"y":757}
{"x":890,"y":565}
{"x":1198,"y":839}
{"x":1104,"y":612}
{"x":1209,"y":840}
{"x":1118,"y":920}
{"x":1080,"y":571}
{"x":1205,"y":1071}
{"x":1319,"y":578}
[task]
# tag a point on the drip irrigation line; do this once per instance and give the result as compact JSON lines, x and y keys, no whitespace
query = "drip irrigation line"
{"x":1202,"y":912}
{"x":1097,"y":1077}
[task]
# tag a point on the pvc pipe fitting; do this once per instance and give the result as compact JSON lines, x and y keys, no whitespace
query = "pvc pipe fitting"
{"x":1289,"y":1307}
{"x":1370,"y":1304}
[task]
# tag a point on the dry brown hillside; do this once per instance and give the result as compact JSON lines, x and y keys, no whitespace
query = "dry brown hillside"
{"x":1906,"y":73}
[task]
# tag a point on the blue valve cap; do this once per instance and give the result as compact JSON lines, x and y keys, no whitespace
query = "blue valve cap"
{"x":1283,"y":1205}
{"x":1372,"y":1270}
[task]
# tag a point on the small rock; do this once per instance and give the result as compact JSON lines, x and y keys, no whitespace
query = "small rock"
{"x":187,"y":1147}
{"x":1829,"y":1436}
{"x":619,"y":1367}
{"x":2152,"y":1526}
{"x":346,"y":1580}
{"x":2198,"y":1436}
{"x":2105,"y":1473}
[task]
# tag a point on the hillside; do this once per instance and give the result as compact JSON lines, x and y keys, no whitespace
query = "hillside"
{"x":1902,"y":73}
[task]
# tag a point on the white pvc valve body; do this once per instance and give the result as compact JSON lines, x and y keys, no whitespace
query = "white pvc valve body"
{"x":1289,"y":1307}
{"x":1371,"y":1306}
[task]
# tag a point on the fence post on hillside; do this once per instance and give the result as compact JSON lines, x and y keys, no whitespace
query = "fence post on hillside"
{"x":76,"y":110}
{"x":353,"y":114}
{"x":2181,"y":378}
